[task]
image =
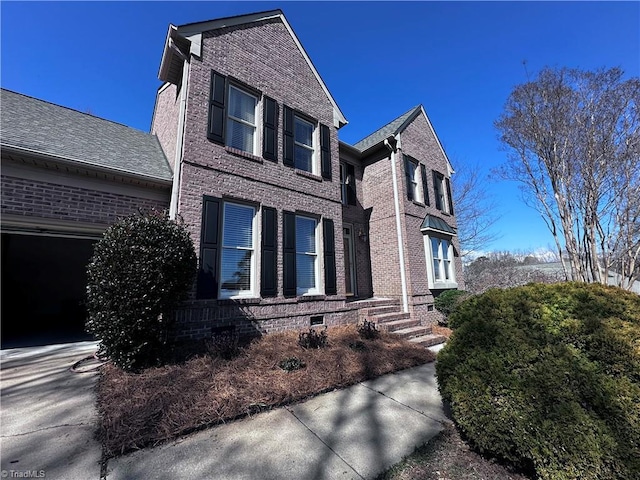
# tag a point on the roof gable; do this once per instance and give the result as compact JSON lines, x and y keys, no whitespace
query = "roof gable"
{"x":397,"y":126}
{"x":175,"y":49}
{"x":36,"y":127}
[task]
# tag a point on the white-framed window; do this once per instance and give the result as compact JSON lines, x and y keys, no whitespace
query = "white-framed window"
{"x":307,"y":271}
{"x":304,"y":140}
{"x":440,"y":262}
{"x":237,"y":259}
{"x":242,"y":119}
{"x":414,"y":180}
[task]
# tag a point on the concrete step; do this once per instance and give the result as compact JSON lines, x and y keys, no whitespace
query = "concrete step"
{"x":373,"y":302}
{"x":370,"y":312}
{"x":412,"y":332}
{"x":396,"y":325}
{"x":390,"y":317}
{"x":429,"y":340}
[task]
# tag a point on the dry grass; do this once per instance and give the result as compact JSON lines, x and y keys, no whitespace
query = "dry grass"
{"x":444,"y":331}
{"x":158,"y":404}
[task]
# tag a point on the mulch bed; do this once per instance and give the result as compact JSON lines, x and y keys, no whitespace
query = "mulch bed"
{"x":138,"y":410}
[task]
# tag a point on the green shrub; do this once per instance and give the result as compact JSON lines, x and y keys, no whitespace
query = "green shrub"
{"x":447,"y":303}
{"x":292,"y":363}
{"x":141,"y":268}
{"x":548,"y":378}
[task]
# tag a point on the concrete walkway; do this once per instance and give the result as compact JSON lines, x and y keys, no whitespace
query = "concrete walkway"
{"x":48,"y":420}
{"x":48,"y":416}
{"x":355,"y":433}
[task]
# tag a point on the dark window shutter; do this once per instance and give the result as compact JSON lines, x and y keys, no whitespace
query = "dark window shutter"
{"x":437,"y":189}
{"x":325,"y":152}
{"x":449,"y":196}
{"x":209,"y":249}
{"x":407,"y":174}
{"x":270,"y":140}
{"x":289,"y":287}
{"x":351,"y":185}
{"x":287,"y":136}
{"x":217,"y":95}
{"x":269,"y":267}
{"x":425,"y":186}
{"x":330,"y":284}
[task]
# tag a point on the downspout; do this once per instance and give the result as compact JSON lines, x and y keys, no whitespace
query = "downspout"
{"x":396,"y":202}
{"x":177,"y":163}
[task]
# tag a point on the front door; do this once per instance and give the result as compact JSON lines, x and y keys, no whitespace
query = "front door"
{"x":349,"y":261}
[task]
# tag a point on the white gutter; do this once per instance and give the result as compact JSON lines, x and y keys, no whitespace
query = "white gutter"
{"x":396,"y":203}
{"x":177,"y":164}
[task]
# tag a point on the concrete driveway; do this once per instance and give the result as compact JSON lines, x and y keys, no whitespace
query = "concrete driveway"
{"x":47,"y":414}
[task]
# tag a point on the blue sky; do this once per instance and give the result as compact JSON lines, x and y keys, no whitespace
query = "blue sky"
{"x":378,"y":59}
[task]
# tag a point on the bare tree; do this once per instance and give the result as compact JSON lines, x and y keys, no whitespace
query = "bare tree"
{"x":476,"y":211}
{"x":573,"y":139}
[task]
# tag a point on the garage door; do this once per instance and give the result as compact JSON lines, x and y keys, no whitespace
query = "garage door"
{"x":43,"y":289}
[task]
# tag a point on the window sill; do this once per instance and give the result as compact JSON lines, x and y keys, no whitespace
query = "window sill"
{"x":239,"y":301}
{"x":420,"y":204}
{"x":312,"y":297}
{"x":242,"y":154}
{"x":306,"y":174}
{"x":443,"y":285}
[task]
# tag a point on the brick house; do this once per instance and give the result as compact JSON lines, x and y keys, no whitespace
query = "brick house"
{"x":292,"y":226}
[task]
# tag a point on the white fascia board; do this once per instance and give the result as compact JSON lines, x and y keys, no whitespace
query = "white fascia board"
{"x":194,"y":31}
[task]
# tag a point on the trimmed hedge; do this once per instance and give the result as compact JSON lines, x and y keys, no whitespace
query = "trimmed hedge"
{"x":547,"y":377}
{"x":141,"y":268}
{"x":447,"y":302}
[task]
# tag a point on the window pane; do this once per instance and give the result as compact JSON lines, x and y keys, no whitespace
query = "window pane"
{"x":235,"y":269}
{"x":305,"y":235}
{"x":445,"y":249}
{"x":303,"y":158}
{"x":435,"y":247}
{"x":240,"y":136}
{"x":238,"y":226}
{"x":436,"y":268}
{"x":305,"y":272}
{"x":303,"y":132}
{"x":242,"y":105}
{"x":447,"y":269}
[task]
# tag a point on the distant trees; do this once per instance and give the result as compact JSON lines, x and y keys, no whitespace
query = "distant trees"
{"x":573,"y":139}
{"x":506,"y":270}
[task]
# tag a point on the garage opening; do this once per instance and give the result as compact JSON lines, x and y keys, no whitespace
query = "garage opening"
{"x":43,"y":289}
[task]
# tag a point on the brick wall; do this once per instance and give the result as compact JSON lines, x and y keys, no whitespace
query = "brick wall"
{"x":33,"y":198}
{"x":263,"y":56}
{"x":165,"y":120}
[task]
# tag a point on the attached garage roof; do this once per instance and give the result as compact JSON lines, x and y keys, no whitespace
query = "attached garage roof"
{"x":437,"y":224}
{"x":37,"y":127}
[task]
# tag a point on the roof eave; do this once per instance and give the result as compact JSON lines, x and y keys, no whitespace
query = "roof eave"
{"x":176,"y":51}
{"x":89,"y":166}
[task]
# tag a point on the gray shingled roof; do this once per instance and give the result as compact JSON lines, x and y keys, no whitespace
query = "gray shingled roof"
{"x":389,"y":129}
{"x":52,"y":130}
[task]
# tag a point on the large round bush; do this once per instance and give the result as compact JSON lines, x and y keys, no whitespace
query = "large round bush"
{"x":548,"y":377}
{"x":141,"y":268}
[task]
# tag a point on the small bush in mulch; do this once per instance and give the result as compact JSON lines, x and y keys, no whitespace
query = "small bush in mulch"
{"x":292,"y":363}
{"x":547,"y":377}
{"x":161,"y":403}
{"x":368,"y":330}
{"x":447,"y":303}
{"x":313,"y":338}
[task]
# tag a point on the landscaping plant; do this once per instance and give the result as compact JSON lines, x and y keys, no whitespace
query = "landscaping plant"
{"x":141,"y":268}
{"x":548,"y":377}
{"x":447,"y":302}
